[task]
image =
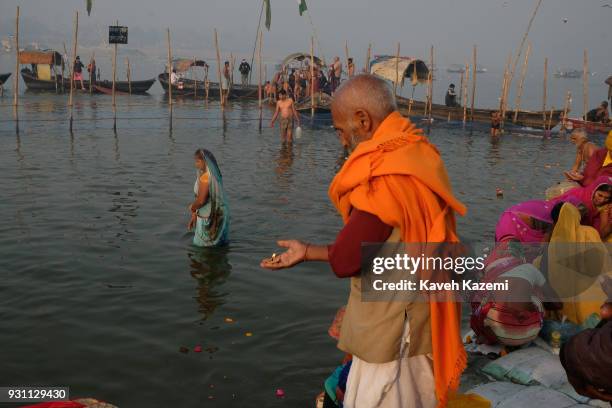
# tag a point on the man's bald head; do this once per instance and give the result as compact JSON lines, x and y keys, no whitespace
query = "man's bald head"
{"x":359,"y":106}
{"x":367,"y":92}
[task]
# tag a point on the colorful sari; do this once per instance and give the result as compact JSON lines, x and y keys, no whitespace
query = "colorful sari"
{"x":576,"y":257}
{"x":584,"y":195}
{"x":511,"y":226}
{"x":212,"y":225}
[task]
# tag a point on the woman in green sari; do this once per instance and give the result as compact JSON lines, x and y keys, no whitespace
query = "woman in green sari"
{"x":210,"y":213}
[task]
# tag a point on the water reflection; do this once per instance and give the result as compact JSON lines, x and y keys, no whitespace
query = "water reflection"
{"x":20,"y":156}
{"x":284,"y":163}
{"x":125,"y":208}
{"x":210,"y":268}
{"x":116,"y":145}
{"x":494,"y":157}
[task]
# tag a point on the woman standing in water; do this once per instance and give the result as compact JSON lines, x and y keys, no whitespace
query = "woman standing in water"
{"x":209,"y":211}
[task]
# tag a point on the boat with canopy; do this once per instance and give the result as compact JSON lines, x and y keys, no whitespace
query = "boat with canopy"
{"x":193,"y":80}
{"x":417,"y":71}
{"x":44,"y":75}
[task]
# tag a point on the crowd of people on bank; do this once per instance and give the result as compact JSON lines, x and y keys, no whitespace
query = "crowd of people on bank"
{"x":301,"y":80}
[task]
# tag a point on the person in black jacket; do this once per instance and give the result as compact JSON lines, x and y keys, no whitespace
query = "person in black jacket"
{"x":451,"y":97}
{"x":244,"y":69}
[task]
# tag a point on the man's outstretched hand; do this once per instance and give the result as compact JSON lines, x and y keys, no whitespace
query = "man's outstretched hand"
{"x":295,"y":254}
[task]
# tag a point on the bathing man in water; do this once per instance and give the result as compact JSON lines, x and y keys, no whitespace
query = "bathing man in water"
{"x":287,"y":111}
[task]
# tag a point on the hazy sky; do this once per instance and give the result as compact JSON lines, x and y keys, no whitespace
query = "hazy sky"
{"x":452,"y":26}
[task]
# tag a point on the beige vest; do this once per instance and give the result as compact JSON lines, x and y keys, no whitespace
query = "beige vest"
{"x":373,"y":331}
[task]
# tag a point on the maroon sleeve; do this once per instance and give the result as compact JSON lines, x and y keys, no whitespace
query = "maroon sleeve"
{"x":345,"y":253}
{"x":591,"y":170}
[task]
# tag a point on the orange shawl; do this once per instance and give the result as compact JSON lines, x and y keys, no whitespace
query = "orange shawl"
{"x":399,"y":176}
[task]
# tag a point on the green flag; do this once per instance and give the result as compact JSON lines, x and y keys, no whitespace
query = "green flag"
{"x":88,"y":4}
{"x":302,"y":6}
{"x":268,"y":14}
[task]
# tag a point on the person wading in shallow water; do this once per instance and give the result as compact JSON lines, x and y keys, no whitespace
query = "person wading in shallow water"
{"x":393,"y":187}
{"x":210,"y":215}
{"x":286,"y":108}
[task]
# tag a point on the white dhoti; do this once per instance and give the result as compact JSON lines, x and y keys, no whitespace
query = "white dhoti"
{"x":404,"y":383}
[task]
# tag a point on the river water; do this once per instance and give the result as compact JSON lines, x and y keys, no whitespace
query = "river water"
{"x":100,"y":286}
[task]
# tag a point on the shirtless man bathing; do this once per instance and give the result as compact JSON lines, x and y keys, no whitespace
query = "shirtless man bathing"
{"x":287,"y":111}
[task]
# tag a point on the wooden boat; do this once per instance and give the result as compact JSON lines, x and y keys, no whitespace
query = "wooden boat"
{"x":460,"y":69}
{"x":568,"y":73}
{"x":393,"y":69}
{"x":533,"y":119}
{"x":190,"y":85}
{"x":44,"y":76}
{"x":4,"y":77}
{"x":322,"y":104}
{"x":107,"y":89}
{"x":59,"y":84}
{"x":197,"y":88}
{"x":590,"y":127}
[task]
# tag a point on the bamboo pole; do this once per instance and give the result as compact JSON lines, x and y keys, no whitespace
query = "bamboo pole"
{"x":552,"y":111}
{"x":129,"y":75}
{"x":461,"y":86}
{"x":69,"y":67}
{"x":519,"y":92}
{"x":259,"y":72}
{"x":64,"y":68}
{"x":501,"y":98}
{"x":545,"y":90}
{"x":91,"y":59}
{"x":346,"y":52}
{"x":16,"y":79}
{"x":74,"y":51}
{"x":524,"y":39}
{"x":368,"y":56}
{"x":397,"y":57}
{"x":465,"y":91}
{"x":312,"y":78}
{"x":114,"y":90}
{"x":115,"y":75}
{"x":431,"y":59}
{"x":429,"y":78}
{"x":230,"y":85}
{"x":169,"y":75}
{"x":169,"y":66}
{"x":474,"y":68}
{"x":508,"y":83}
{"x":195,"y":80}
{"x":566,"y":107}
{"x":55,"y":79}
{"x":221,"y":96}
{"x":505,"y":88}
{"x":585,"y":84}
{"x":206,"y":86}
{"x":265,"y":75}
{"x":411,"y":101}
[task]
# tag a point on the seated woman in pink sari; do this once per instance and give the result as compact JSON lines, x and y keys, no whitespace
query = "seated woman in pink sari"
{"x":531,"y":221}
{"x":527,"y":222}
